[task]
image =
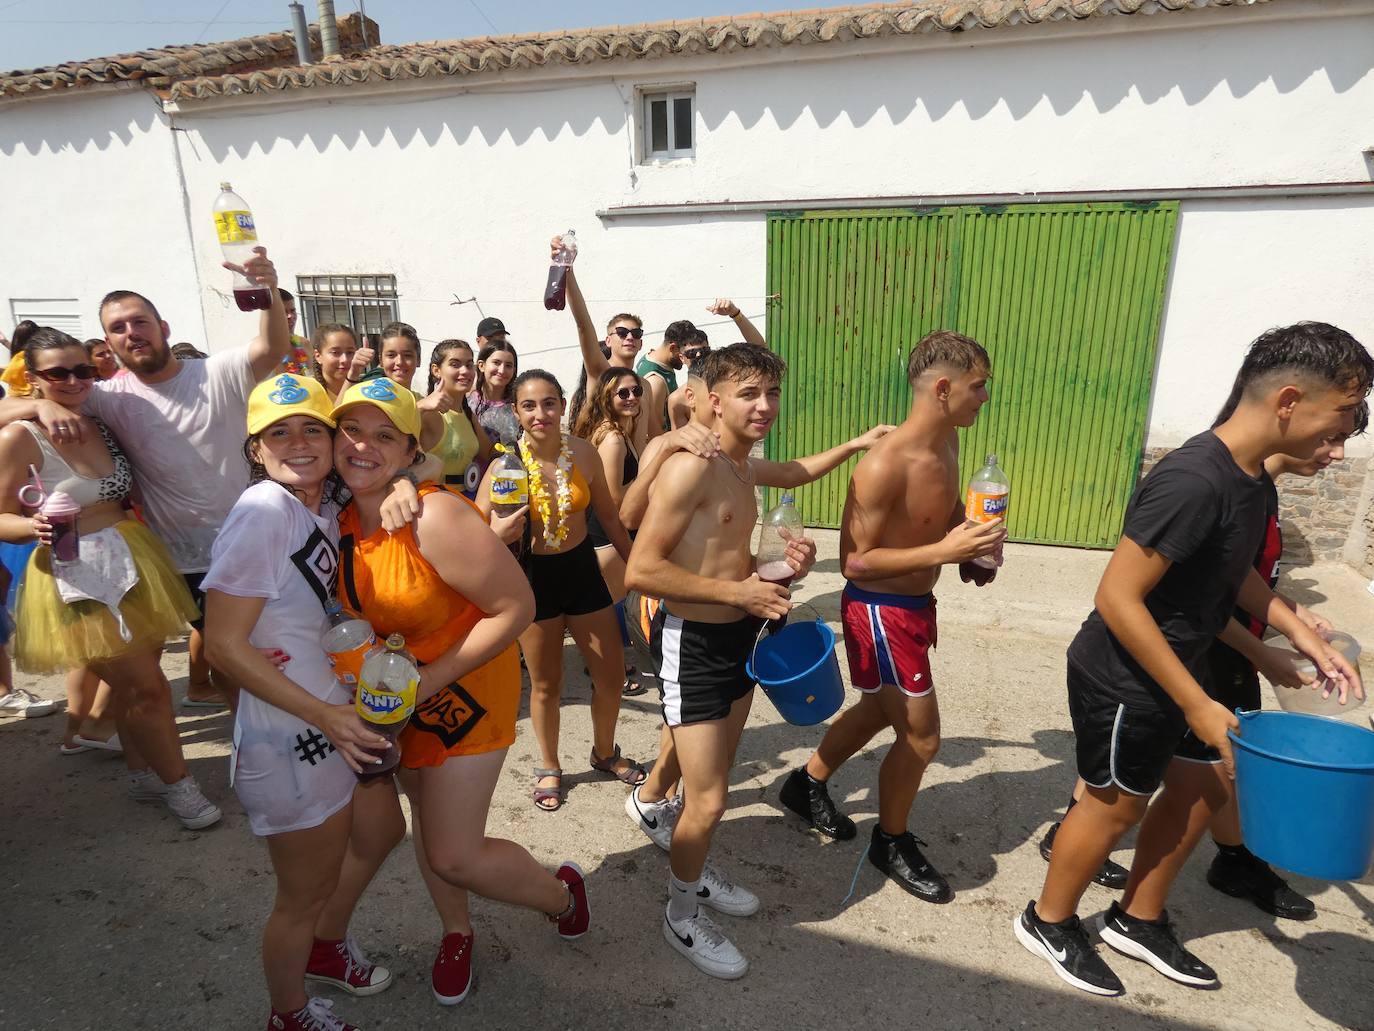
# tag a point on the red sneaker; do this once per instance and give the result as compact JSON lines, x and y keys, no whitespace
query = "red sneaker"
{"x":573,"y":923}
{"x":452,"y":976}
{"x":315,"y":1015}
{"x":342,"y":964}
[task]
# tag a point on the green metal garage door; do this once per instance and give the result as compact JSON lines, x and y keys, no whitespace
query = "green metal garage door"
{"x":1066,"y":299}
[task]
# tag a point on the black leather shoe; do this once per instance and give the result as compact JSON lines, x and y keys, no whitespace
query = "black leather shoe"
{"x":1243,"y":875}
{"x":811,"y":801}
{"x":1112,"y":875}
{"x":901,"y":859}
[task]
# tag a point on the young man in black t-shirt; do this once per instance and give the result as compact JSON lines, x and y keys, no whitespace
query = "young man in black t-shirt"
{"x":1137,"y":667}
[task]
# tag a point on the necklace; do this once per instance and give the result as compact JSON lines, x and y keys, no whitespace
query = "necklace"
{"x":748,"y":466}
{"x":555,"y":533}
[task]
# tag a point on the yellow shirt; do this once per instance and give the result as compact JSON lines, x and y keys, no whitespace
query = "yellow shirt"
{"x":456,"y":449}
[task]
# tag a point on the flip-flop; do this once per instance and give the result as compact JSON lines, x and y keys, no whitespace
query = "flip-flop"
{"x":195,"y":703}
{"x":74,"y":749}
{"x":110,"y":744}
{"x":632,"y":688}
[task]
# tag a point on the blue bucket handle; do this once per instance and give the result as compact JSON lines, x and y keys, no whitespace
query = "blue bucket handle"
{"x":758,"y":639}
{"x":1254,"y":749}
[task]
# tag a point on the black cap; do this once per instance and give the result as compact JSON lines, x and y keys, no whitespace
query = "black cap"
{"x":489,"y":327}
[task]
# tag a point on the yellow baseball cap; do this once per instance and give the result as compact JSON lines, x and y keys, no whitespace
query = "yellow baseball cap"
{"x":397,"y":403}
{"x":282,"y":396}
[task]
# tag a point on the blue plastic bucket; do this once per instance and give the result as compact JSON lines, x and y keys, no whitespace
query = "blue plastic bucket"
{"x":798,"y":670}
{"x":1305,"y":786}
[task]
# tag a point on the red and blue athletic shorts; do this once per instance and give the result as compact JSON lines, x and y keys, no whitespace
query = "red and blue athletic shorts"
{"x":888,"y":638}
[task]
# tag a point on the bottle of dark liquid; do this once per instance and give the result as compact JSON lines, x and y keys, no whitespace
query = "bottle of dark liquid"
{"x":386,"y":699}
{"x":556,"y":291}
{"x":780,"y":525}
{"x":238,"y":235}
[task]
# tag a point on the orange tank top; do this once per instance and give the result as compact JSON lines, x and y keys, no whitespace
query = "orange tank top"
{"x":386,"y":579}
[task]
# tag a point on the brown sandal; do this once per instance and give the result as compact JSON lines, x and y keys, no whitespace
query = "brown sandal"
{"x":633,"y":774}
{"x":542,"y":795}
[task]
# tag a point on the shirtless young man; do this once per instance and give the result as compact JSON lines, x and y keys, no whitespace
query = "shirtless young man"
{"x":654,"y":805}
{"x":903,"y":520}
{"x":694,"y":550}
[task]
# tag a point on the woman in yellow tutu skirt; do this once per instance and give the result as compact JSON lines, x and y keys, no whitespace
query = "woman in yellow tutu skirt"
{"x":108,"y":600}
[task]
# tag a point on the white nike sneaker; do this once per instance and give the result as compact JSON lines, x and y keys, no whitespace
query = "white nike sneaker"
{"x":723,"y":896}
{"x":655,"y":819}
{"x":702,"y":942}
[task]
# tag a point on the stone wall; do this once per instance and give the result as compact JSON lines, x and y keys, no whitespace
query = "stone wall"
{"x":1320,"y":514}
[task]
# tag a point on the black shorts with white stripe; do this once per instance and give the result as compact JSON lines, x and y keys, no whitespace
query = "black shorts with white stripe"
{"x":1128,"y":746}
{"x":701,"y":665}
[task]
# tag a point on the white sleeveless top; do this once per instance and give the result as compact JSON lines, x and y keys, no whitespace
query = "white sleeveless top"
{"x":84,"y":490}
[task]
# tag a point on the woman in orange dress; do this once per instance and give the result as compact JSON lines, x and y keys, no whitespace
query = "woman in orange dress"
{"x":453,"y":590}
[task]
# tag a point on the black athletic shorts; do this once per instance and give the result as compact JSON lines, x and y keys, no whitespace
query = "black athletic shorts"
{"x":1117,"y":744}
{"x":568,"y":584}
{"x":193,"y":582}
{"x":1233,"y":682}
{"x":701,"y":665}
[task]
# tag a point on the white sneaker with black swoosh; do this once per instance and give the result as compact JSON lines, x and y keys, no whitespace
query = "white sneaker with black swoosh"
{"x":1065,"y":946}
{"x":702,"y":942}
{"x":724,"y":896}
{"x":655,"y":819}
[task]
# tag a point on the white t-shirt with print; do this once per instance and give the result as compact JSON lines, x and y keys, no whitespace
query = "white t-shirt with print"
{"x":286,"y":773}
{"x":184,"y":438}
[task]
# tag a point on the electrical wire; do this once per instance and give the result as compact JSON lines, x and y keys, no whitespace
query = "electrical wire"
{"x":206,"y":27}
{"x":484,"y":17}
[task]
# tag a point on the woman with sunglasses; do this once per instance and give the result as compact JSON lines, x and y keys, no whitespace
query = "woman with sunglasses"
{"x":570,"y":594}
{"x":493,"y":399}
{"x":465,"y":448}
{"x":607,"y":422}
{"x":116,"y":605}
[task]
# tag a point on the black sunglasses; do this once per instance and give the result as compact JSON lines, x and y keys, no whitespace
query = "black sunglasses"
{"x":623,"y":332}
{"x":696,"y":353}
{"x":625,"y":393}
{"x":59,"y":373}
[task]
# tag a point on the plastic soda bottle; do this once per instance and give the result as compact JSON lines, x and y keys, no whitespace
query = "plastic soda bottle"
{"x":237,"y":238}
{"x":989,"y":495}
{"x":510,"y":481}
{"x":348,"y":642}
{"x":556,"y":290}
{"x":386,"y":698}
{"x":780,"y":525}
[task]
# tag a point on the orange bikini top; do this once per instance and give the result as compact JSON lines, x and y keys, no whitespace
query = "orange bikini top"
{"x":385,"y":579}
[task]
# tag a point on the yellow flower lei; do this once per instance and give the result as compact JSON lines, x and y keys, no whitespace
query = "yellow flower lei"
{"x":555,"y":533}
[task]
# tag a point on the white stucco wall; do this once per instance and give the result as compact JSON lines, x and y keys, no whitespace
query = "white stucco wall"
{"x":454,"y":186}
{"x":91,"y":203}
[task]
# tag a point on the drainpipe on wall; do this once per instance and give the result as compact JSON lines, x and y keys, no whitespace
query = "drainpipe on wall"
{"x":329,"y":30}
{"x":301,"y":32}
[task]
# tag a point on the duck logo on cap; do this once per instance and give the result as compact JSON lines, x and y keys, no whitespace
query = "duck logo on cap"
{"x":379,"y":390}
{"x":289,"y":391}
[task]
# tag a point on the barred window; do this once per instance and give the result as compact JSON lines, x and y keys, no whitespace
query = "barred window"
{"x":366,"y":303}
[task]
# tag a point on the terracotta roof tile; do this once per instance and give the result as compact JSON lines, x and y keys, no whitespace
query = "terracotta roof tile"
{"x":160,"y":68}
{"x":263,"y":63}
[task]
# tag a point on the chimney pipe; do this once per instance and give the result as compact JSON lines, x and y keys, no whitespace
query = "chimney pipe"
{"x":329,"y":30}
{"x":300,"y":32}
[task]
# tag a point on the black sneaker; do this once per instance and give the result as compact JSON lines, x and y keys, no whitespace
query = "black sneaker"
{"x":1068,"y":950}
{"x":811,"y":801}
{"x":1154,"y":942}
{"x":1244,"y":875}
{"x":1112,"y":875}
{"x":901,"y":860}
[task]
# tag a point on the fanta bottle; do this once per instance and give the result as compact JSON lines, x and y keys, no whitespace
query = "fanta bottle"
{"x":988,"y":495}
{"x":510,"y":481}
{"x":348,"y":642}
{"x":238,"y":235}
{"x":386,"y":699}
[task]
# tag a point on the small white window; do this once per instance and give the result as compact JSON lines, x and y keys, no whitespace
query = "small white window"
{"x":62,"y":313}
{"x":669,"y":124}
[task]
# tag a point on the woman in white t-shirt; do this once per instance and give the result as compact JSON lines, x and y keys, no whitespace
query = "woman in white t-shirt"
{"x":297,"y":740}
